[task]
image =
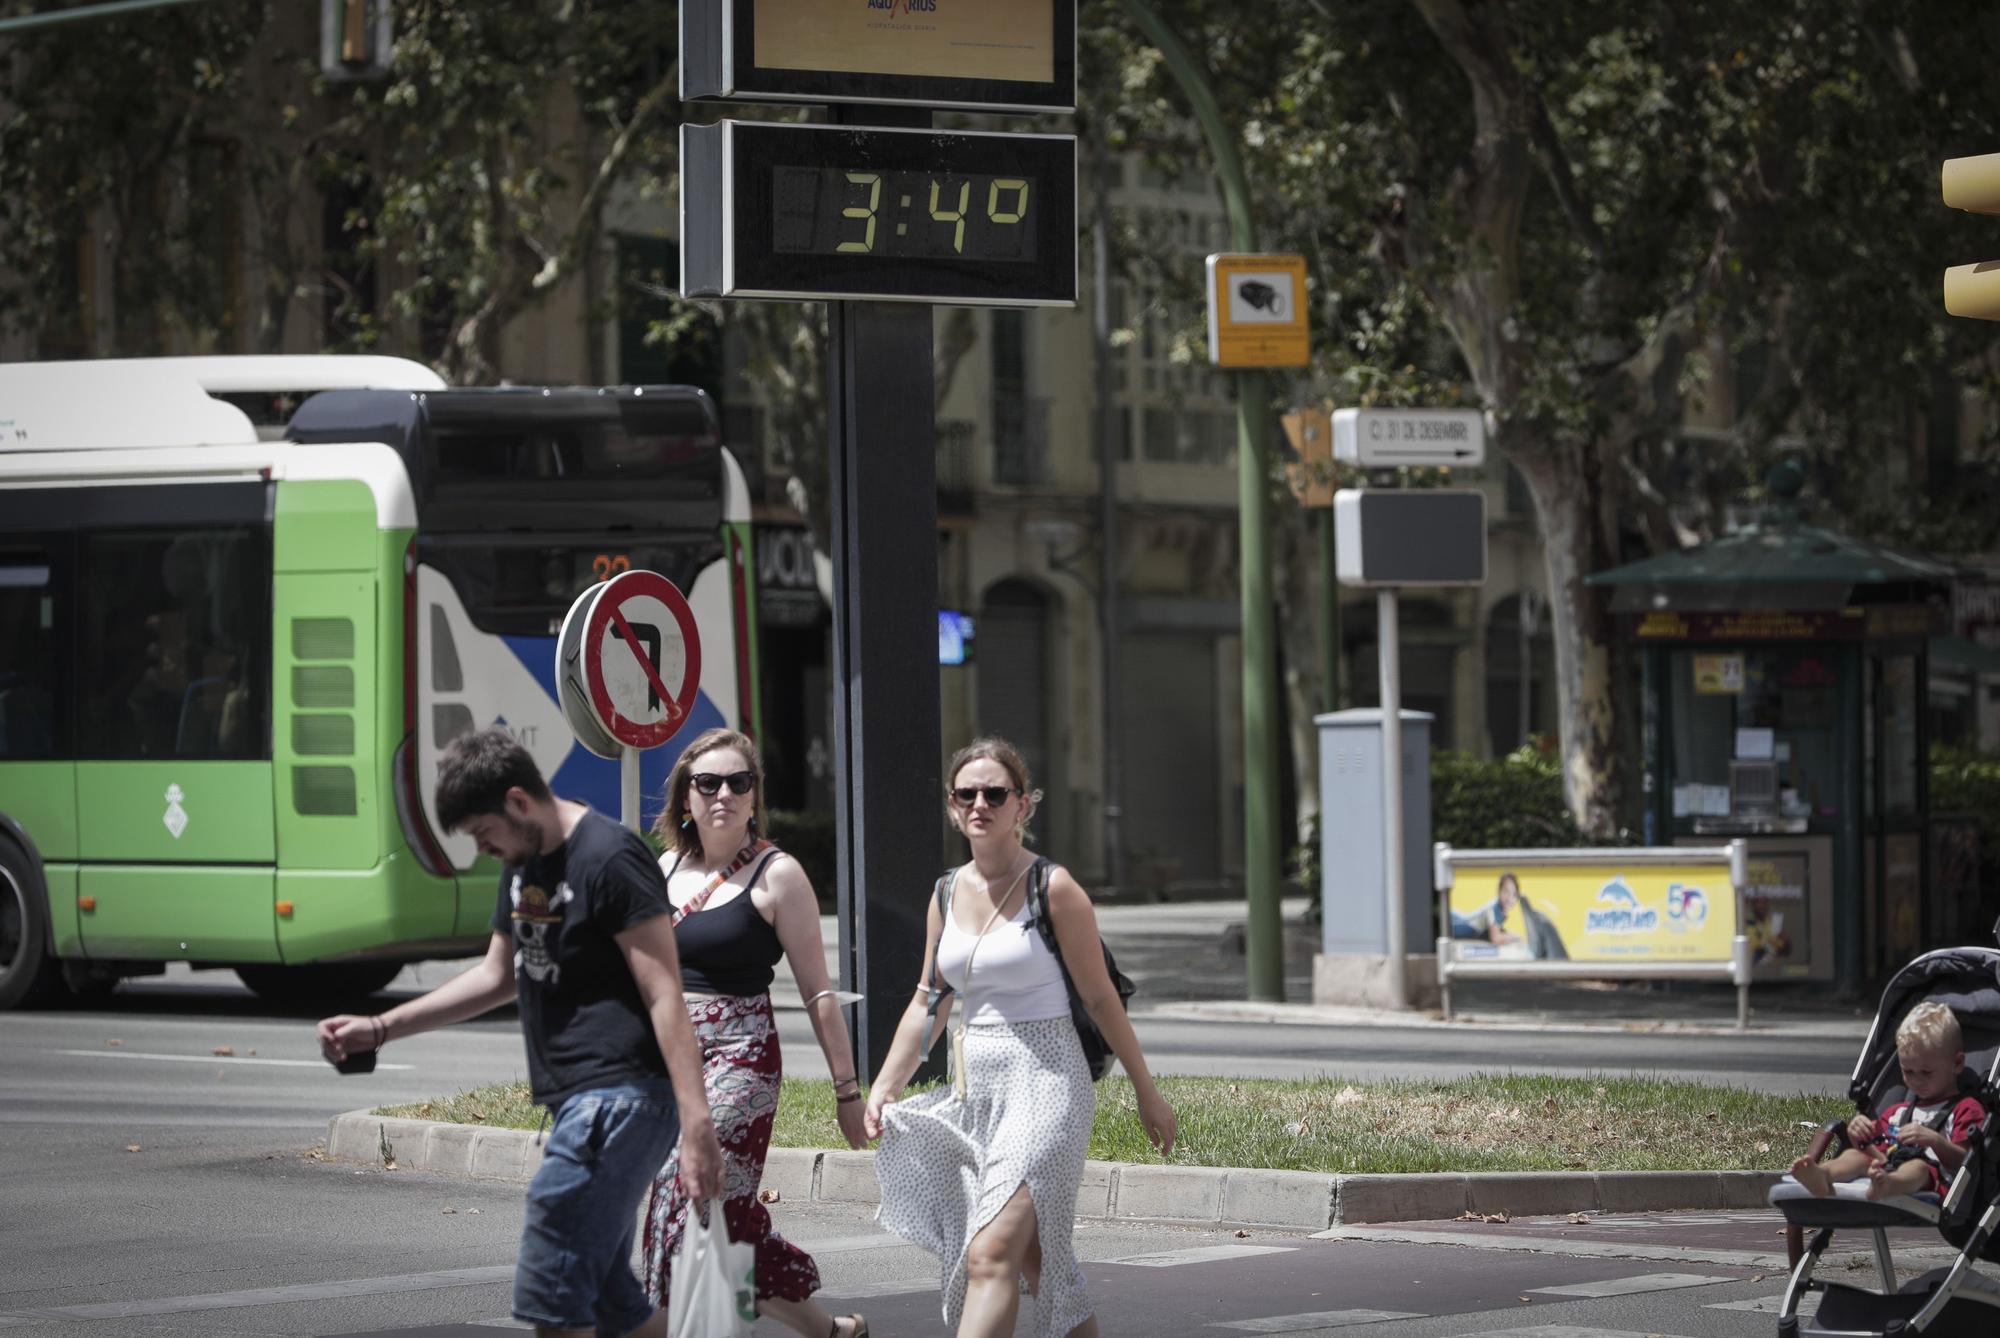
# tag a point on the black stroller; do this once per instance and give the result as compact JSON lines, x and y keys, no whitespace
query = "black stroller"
{"x":1952,"y":1301}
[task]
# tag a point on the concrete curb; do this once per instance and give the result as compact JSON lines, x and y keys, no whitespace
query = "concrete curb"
{"x":1126,"y":1191}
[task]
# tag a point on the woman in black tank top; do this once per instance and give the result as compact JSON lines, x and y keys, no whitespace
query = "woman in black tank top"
{"x":740,"y":904}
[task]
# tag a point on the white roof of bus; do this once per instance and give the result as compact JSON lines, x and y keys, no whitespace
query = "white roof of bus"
{"x":154,"y":402}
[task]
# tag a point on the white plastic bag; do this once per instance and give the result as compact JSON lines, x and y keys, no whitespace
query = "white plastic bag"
{"x":714,"y":1280}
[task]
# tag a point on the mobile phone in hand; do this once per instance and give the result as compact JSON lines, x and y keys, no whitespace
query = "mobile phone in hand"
{"x":361,"y":1061}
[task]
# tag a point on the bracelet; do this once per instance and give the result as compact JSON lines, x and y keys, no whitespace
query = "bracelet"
{"x":817,"y":997}
{"x":850,"y":1078}
{"x":381,"y":1030}
{"x":849,"y":1099}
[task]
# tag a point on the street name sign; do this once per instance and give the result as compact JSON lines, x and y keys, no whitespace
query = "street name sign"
{"x":1257,"y":311}
{"x":1388,"y":537}
{"x":1389,"y":438}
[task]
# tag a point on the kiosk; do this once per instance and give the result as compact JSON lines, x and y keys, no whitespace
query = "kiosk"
{"x":1784,"y":672}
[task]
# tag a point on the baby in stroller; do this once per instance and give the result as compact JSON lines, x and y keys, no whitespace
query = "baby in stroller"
{"x":1921,"y":1140}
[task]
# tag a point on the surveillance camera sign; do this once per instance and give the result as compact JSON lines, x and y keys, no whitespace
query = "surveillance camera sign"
{"x":1257,"y":311}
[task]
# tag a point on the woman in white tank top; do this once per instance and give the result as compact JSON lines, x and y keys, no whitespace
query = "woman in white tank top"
{"x":984,"y":1172}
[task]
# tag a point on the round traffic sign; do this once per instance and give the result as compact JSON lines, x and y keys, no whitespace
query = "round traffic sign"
{"x":641,"y":658}
{"x":571,"y":694}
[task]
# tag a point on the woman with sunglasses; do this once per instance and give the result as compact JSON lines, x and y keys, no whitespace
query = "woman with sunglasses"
{"x":739,"y":904}
{"x":984,"y":1172}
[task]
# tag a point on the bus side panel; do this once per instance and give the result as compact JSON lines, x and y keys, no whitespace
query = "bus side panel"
{"x":63,"y":926}
{"x":41,"y":796}
{"x":325,"y":686}
{"x":350,"y":911}
{"x":184,"y":912}
{"x":330,"y":803}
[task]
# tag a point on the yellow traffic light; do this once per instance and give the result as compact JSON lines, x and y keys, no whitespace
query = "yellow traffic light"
{"x":1973,"y":184}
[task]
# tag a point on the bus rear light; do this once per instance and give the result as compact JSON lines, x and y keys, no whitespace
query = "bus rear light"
{"x":410,"y":812}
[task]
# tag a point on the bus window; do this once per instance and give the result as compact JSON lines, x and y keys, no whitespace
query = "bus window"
{"x":174,"y":646}
{"x":28,"y":677}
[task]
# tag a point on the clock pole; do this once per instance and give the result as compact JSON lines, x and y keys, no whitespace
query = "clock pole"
{"x":882,"y":454}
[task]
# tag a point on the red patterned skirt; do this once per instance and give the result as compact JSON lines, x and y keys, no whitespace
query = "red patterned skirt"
{"x":741,"y":1068}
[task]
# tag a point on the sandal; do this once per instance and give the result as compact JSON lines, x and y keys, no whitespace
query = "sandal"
{"x":860,"y":1329}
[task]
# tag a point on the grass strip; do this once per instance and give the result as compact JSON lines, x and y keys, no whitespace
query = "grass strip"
{"x":1504,"y":1122}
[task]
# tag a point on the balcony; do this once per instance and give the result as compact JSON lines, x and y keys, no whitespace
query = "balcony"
{"x":1020,"y":438}
{"x":957,"y":480}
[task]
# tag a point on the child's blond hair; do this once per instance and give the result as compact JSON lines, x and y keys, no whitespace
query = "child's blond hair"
{"x":1930,"y":1028}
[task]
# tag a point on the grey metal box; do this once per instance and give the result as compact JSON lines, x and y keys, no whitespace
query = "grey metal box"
{"x":1353,"y":876}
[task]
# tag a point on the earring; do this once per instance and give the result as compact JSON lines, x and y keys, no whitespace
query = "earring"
{"x":753,"y":822}
{"x":687,"y":822}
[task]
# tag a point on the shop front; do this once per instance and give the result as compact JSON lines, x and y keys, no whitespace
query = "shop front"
{"x":1784,"y":685}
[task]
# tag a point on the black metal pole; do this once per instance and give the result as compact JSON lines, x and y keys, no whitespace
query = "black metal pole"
{"x":889,"y":795}
{"x":1111,"y":718}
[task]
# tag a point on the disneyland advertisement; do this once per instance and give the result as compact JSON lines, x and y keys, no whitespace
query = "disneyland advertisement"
{"x":1593,"y":913}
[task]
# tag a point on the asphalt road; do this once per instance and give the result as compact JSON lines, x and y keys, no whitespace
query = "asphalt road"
{"x":151,"y":1185}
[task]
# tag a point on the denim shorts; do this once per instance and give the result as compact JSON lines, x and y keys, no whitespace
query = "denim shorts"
{"x":575,"y":1266}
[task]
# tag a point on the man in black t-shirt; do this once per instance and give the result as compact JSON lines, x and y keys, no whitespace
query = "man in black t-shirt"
{"x":582,"y":940}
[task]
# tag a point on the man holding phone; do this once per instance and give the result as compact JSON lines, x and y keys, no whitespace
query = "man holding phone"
{"x":582,"y":940}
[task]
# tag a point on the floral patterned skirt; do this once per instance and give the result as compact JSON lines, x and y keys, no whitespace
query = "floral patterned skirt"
{"x":741,"y":1067}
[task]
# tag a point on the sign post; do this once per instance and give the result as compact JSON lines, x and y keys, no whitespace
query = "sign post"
{"x":881,"y":215}
{"x":1257,"y":319}
{"x":1390,"y":538}
{"x":628,"y":663}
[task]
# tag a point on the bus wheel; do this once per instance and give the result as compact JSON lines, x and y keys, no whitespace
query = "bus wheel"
{"x":318,"y":986}
{"x":29,"y":972}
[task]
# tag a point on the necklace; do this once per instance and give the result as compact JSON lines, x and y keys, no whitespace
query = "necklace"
{"x":958,"y":1036}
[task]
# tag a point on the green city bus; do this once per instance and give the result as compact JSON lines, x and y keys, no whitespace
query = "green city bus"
{"x":245,"y":602}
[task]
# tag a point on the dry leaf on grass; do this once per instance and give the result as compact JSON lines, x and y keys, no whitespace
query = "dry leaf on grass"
{"x":113,"y":1042}
{"x":1242,"y":1235}
{"x":448,"y":1211}
{"x":131,"y":1147}
{"x":1580,"y":1219}
{"x":224,"y":1050}
{"x":1499,"y":1217}
{"x":1349,"y":1096}
{"x":767,"y":1196}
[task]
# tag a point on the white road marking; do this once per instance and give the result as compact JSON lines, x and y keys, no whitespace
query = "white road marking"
{"x":1769,"y":1305}
{"x":314,"y":1291}
{"x":221,"y":1059}
{"x":1644,"y":1282}
{"x":1570,"y":1331}
{"x":881,"y":1240}
{"x":1200,"y":1254}
{"x":1321,"y":1319}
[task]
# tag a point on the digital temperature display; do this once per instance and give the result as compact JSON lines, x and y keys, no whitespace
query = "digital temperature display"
{"x":831,"y":211}
{"x":874,"y":213}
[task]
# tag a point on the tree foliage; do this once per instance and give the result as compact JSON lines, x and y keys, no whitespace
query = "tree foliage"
{"x":1602,"y":221}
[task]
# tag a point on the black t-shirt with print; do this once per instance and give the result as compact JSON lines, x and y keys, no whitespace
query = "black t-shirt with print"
{"x":581,"y":1013}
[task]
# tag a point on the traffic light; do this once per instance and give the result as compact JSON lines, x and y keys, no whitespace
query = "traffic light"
{"x":1973,"y":184}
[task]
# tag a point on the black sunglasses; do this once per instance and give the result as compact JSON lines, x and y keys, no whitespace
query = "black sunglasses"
{"x":967,"y":795}
{"x":739,"y":782}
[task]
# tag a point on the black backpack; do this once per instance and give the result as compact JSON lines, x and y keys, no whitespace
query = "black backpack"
{"x":1096,"y":1051}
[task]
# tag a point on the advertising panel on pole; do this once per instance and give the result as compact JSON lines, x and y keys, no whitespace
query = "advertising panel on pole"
{"x":994,"y":55}
{"x":1593,"y":913}
{"x":1257,"y":311}
{"x":1310,"y":477}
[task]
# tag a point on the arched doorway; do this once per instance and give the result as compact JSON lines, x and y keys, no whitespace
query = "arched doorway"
{"x":1015,"y":658}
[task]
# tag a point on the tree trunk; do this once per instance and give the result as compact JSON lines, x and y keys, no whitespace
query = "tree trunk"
{"x":1569,"y":502}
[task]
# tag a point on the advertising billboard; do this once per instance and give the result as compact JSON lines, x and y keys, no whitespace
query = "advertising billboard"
{"x":1598,"y":912}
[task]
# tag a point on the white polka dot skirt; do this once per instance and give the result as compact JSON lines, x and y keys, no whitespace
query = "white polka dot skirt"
{"x":947,"y":1166}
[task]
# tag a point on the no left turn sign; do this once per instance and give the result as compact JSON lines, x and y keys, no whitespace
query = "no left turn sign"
{"x":641,"y":659}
